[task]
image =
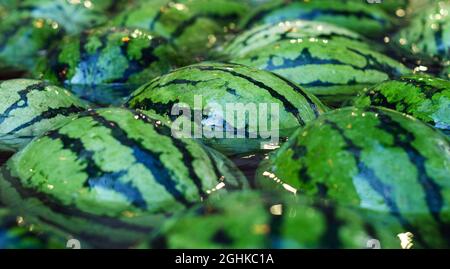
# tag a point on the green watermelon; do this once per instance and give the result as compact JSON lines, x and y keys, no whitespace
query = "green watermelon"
{"x":104,"y":65}
{"x":369,"y":20}
{"x":427,"y":37}
{"x":72,"y":16}
{"x":23,"y":38}
{"x":31,"y":107}
{"x":193,"y":26}
{"x":424,"y":97}
{"x":111,"y":176}
{"x":372,"y":158}
{"x":219,"y":85}
{"x":268,"y":34}
{"x":332,"y":63}
{"x":249,"y":220}
{"x":16,"y":233}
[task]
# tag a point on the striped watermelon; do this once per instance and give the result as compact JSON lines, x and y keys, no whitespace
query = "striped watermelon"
{"x":111,"y":176}
{"x":331,"y":63}
{"x":424,"y":97}
{"x":267,"y":34}
{"x":193,"y":26}
{"x":31,"y":107}
{"x":428,"y":33}
{"x":253,"y":220}
{"x":72,"y":16}
{"x":220,"y":83}
{"x":372,"y":158}
{"x":16,"y":233}
{"x":22,"y":38}
{"x":369,"y":20}
{"x":105,"y":64}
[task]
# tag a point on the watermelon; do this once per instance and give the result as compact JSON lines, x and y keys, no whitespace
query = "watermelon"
{"x":270,"y":106}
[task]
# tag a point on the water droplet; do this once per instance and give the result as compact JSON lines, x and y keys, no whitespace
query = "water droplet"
{"x":400,"y":12}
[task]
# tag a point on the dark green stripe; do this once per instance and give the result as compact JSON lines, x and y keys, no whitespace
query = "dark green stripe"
{"x":158,"y":15}
{"x":219,"y":174}
{"x":438,"y":38}
{"x":311,"y":15}
{"x":138,"y":65}
{"x":305,"y":58}
{"x":149,"y":159}
{"x":54,"y":205}
{"x":330,"y":238}
{"x":287,"y":105}
{"x":258,"y":16}
{"x":159,"y":108}
{"x":94,"y":240}
{"x":385,"y":191}
{"x":183,"y":82}
{"x":427,"y":89}
{"x":285,"y":35}
{"x":244,"y":43}
{"x":23,"y":99}
{"x":297,"y":89}
{"x":300,"y":151}
{"x":222,"y":237}
{"x":49,"y":114}
{"x":96,"y":176}
{"x":379,"y":99}
{"x":187,"y":160}
{"x":404,"y":139}
{"x":276,"y":230}
{"x":373,"y":63}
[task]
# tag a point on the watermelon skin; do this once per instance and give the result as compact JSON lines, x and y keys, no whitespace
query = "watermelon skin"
{"x":263,"y":35}
{"x":332,"y":63}
{"x":112,"y":176}
{"x":223,"y":84}
{"x":72,"y":17}
{"x":369,"y":20}
{"x":193,"y":26}
{"x":23,"y":38}
{"x":103,"y":65}
{"x":392,"y":6}
{"x":425,"y":97}
{"x":254,"y":220}
{"x":372,"y":158}
{"x":427,"y":37}
{"x":31,"y":107}
{"x":16,"y":233}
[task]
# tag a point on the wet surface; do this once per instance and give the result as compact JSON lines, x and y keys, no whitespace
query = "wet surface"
{"x":115,"y":94}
